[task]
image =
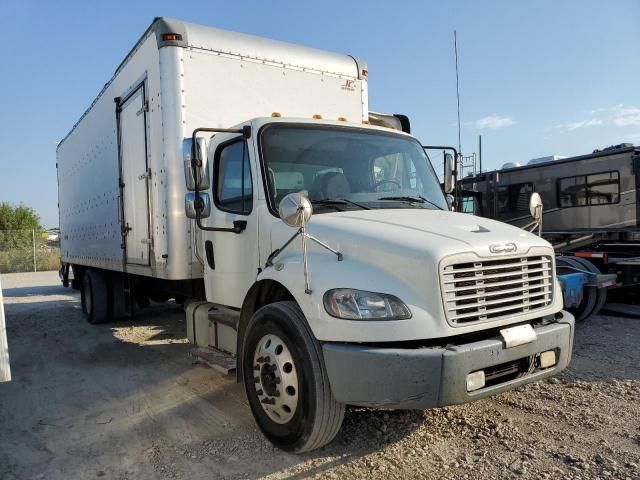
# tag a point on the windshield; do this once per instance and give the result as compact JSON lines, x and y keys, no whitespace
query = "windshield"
{"x":345,"y":168}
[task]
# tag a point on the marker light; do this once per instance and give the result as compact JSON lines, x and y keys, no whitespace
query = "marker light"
{"x":171,"y":37}
{"x":276,"y":114}
{"x":317,"y":116}
{"x":342,"y":119}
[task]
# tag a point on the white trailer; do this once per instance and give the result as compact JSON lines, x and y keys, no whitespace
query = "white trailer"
{"x":194,"y":175}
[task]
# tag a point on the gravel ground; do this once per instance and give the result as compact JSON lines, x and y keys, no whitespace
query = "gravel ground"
{"x":125,"y":401}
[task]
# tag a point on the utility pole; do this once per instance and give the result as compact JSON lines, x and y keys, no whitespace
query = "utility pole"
{"x":480,"y":153}
{"x":33,"y":243}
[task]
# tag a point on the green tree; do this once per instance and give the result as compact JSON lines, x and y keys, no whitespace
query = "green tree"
{"x":16,"y":224}
{"x":18,"y":217}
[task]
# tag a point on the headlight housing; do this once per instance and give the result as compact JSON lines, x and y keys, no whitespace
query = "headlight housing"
{"x":350,"y":304}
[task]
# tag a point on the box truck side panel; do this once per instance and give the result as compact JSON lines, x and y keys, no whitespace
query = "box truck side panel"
{"x":89,"y":172}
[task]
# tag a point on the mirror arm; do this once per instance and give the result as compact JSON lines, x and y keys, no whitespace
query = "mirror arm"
{"x":441,"y":147}
{"x":454,"y":172}
{"x":277,"y":251}
{"x":238,"y":226}
{"x":196,"y":162}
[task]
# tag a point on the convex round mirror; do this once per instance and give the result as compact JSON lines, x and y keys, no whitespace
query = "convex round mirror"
{"x":535,"y":206}
{"x":295,"y":210}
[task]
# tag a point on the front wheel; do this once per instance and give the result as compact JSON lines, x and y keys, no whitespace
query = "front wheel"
{"x":286,"y":382}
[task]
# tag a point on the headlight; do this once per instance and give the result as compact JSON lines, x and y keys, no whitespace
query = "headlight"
{"x":352,"y":304}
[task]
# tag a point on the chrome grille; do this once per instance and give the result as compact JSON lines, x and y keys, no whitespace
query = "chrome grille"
{"x":480,"y":291}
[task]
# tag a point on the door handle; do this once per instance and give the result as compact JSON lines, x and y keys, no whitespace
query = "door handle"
{"x":208,"y":250}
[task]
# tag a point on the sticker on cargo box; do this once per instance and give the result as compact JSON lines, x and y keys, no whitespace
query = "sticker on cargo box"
{"x":514,"y":336}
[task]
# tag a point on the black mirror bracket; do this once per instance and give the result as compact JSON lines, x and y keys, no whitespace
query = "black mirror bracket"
{"x":196,"y":162}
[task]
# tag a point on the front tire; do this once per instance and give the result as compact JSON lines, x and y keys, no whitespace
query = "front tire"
{"x":286,"y":381}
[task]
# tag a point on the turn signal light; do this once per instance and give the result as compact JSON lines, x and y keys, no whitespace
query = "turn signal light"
{"x":475,"y":380}
{"x":547,"y":359}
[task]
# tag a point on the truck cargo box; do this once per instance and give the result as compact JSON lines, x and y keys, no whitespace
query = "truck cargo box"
{"x":121,"y":167}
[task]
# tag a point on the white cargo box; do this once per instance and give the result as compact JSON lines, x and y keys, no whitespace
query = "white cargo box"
{"x":120,"y":169}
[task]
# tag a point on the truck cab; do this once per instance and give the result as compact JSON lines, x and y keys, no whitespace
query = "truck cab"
{"x":391,"y":299}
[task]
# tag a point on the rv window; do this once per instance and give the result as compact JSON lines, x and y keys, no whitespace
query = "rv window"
{"x":595,"y":189}
{"x":514,"y":198}
{"x":229,"y":195}
{"x":470,"y":203}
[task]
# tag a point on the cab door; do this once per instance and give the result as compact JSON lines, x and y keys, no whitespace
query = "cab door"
{"x":231,"y":259}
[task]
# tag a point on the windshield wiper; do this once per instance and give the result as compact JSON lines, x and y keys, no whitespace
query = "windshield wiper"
{"x":333,"y":202}
{"x":416,"y":199}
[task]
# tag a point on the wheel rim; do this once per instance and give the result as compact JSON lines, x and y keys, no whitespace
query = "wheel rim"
{"x":88,"y":301}
{"x":275,"y":379}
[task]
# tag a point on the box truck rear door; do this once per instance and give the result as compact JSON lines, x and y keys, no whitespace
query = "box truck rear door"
{"x":135,"y":176}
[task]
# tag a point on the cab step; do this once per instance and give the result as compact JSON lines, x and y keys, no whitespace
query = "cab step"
{"x":221,"y":361}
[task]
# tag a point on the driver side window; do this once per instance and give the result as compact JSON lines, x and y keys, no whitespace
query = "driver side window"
{"x":233,"y":190}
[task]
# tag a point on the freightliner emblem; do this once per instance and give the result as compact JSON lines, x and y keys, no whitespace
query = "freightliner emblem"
{"x":503,"y":247}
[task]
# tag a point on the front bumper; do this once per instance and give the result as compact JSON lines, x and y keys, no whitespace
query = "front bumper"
{"x":419,"y":378}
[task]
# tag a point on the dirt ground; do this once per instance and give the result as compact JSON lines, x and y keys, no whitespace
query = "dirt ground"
{"x":125,"y":401}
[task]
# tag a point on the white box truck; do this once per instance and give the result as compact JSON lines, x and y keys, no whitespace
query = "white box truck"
{"x":194,"y":175}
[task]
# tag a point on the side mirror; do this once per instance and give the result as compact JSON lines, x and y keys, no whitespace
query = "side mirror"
{"x":535,"y":206}
{"x":193,"y":207}
{"x":295,"y":210}
{"x":449,"y":168}
{"x":450,"y":201}
{"x":203,"y":171}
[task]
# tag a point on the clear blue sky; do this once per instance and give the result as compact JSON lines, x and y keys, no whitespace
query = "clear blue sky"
{"x":537,"y":78}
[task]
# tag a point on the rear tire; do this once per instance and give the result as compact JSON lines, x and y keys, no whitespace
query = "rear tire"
{"x":582,"y":311}
{"x":94,"y":296}
{"x":601,"y":293}
{"x":286,"y":381}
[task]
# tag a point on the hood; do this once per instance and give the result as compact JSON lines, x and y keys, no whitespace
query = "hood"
{"x":438,"y":232}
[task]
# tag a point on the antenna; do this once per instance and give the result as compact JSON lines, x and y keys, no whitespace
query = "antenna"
{"x":455,"y":47}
